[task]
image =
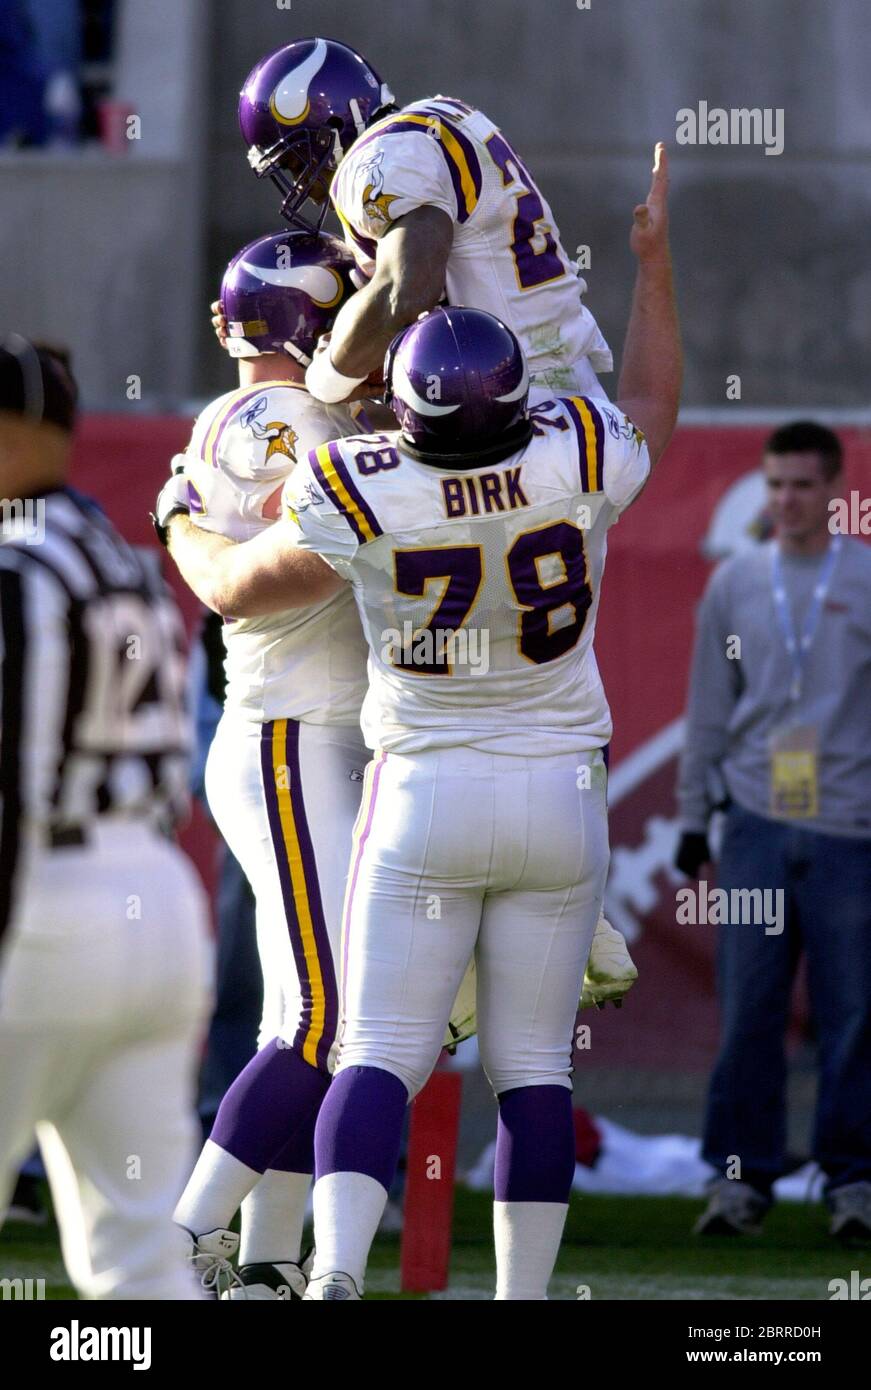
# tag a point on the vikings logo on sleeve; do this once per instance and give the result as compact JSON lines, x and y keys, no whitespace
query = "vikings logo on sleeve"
{"x":413,"y":159}
{"x":303,"y":495}
{"x":280,"y":437}
{"x":376,"y":203}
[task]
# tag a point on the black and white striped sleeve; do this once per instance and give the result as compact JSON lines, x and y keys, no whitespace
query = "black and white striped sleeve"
{"x":34,"y":681}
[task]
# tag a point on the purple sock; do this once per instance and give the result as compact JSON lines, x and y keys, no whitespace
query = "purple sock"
{"x":298,"y":1154}
{"x":274,"y":1098}
{"x":359,"y":1127}
{"x":535,"y":1145}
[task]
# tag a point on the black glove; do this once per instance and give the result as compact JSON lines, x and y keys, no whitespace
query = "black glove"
{"x":692,"y":852}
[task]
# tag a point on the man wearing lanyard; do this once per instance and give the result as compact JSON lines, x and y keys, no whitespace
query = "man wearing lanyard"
{"x":779,"y":729}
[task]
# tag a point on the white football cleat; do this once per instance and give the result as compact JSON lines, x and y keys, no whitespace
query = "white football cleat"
{"x":284,"y":1281}
{"x":610,"y":972}
{"x":211,"y":1257}
{"x":335,"y":1285}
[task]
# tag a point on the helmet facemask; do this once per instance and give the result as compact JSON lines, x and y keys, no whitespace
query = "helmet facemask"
{"x":296,"y":164}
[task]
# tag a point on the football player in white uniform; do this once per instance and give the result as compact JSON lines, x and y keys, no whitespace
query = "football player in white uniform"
{"x":284,"y":773}
{"x":433,"y":200}
{"x":474,"y":541}
{"x":289,"y":742}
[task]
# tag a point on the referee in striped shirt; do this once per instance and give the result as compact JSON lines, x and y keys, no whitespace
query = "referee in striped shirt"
{"x":104,"y":952}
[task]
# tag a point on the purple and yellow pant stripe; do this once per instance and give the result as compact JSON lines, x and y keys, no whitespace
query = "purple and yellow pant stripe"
{"x":297,"y":872}
{"x":591,"y":442}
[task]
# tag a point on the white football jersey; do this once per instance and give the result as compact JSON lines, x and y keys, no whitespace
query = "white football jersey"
{"x":478,"y":588}
{"x":506,"y":256}
{"x":308,"y":663}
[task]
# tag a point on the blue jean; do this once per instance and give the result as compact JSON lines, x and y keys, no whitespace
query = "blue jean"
{"x":826,"y":882}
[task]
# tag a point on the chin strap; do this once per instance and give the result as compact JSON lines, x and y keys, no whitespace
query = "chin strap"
{"x":297,"y":354}
{"x":354,"y":108}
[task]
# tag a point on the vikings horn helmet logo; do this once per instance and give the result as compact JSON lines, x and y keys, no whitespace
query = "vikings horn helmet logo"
{"x":281,"y":293}
{"x":300,"y":111}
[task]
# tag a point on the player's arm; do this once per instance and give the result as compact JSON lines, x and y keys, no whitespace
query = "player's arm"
{"x":409,"y":280}
{"x":265,"y":575}
{"x":652,"y":368}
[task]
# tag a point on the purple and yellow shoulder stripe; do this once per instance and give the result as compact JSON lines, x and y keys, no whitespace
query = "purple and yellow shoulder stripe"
{"x":457,"y":150}
{"x":591,"y":441}
{"x":334,"y":477}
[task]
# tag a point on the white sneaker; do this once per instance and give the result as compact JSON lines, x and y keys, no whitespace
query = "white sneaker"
{"x":285,"y":1281}
{"x":611,"y":972}
{"x":334,"y":1285}
{"x":850,"y":1206}
{"x":734,"y":1209}
{"x":211,"y":1257}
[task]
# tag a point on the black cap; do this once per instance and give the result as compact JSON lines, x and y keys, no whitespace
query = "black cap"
{"x":36,"y":381}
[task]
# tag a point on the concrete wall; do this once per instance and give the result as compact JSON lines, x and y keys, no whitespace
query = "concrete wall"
{"x":774,"y":276}
{"x":96,"y":254}
{"x":102,"y":251}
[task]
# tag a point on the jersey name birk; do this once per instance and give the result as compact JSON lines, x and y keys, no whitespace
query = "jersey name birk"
{"x":485,"y":492}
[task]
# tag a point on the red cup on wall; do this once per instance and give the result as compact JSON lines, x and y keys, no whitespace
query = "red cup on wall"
{"x":114,"y":125}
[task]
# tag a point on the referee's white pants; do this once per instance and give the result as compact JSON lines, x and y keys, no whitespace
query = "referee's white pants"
{"x":105,"y":990}
{"x":459,"y":852}
{"x":284,"y":796}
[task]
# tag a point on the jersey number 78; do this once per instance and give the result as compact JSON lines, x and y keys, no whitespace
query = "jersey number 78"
{"x":461,"y":570}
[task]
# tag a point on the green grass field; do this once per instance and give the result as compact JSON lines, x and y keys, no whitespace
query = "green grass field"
{"x":620,"y":1247}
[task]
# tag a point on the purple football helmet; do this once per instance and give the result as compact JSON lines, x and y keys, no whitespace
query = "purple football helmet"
{"x":457,"y":382}
{"x":281,"y":292}
{"x":300,"y":111}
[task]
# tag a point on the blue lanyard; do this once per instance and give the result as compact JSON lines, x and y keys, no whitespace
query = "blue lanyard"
{"x":798,"y":647}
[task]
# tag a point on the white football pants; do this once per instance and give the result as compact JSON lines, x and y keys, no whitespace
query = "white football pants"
{"x":459,"y":852}
{"x":105,"y":991}
{"x":577,"y":380}
{"x":284,"y":796}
